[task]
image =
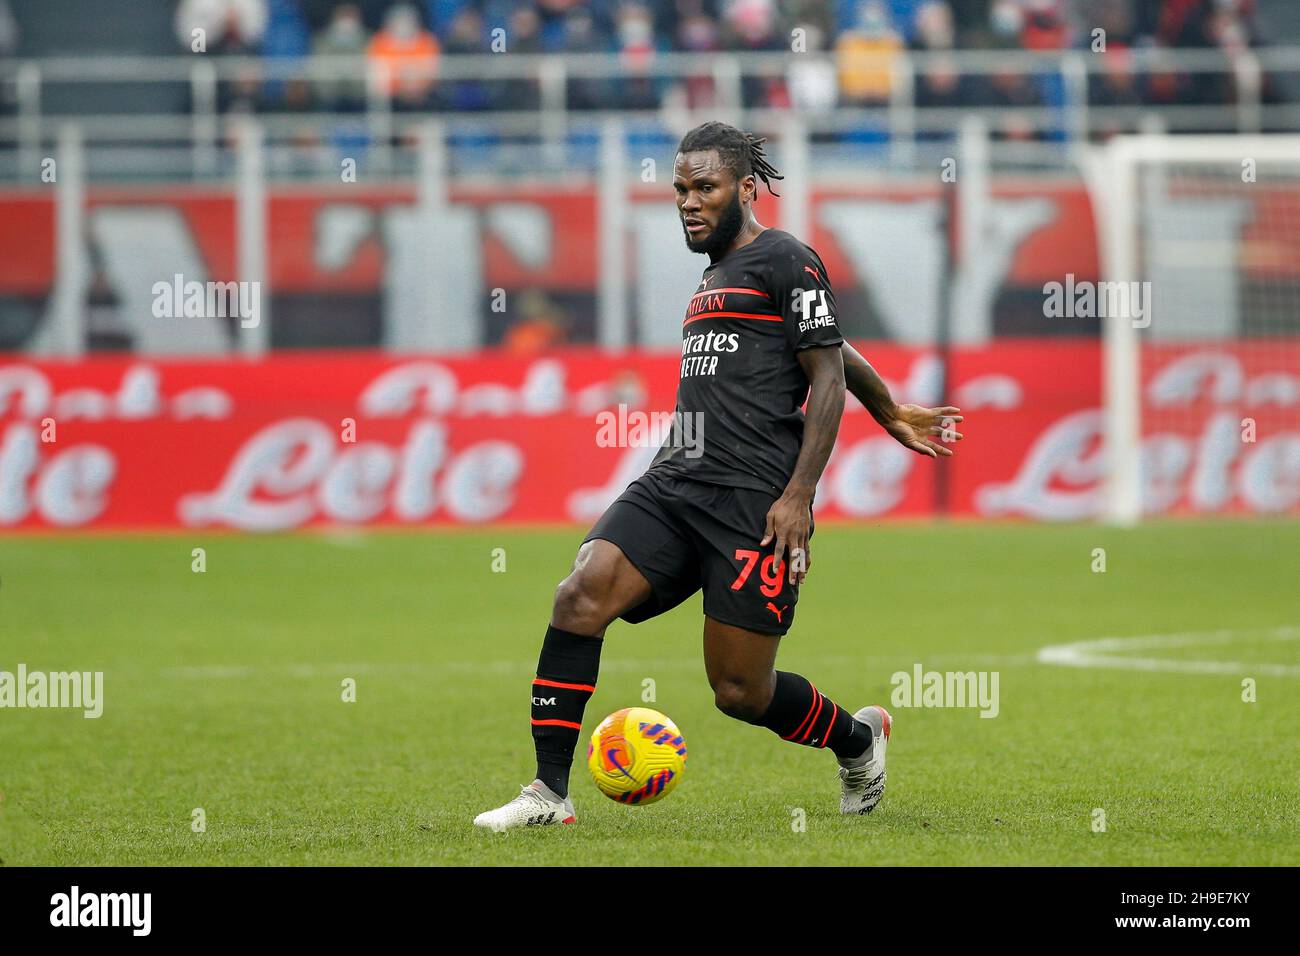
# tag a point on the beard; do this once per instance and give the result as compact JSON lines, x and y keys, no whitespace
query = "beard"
{"x":721,"y":236}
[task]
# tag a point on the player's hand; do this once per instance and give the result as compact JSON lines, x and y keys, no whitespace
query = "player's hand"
{"x":914,"y":427}
{"x":789,"y":521}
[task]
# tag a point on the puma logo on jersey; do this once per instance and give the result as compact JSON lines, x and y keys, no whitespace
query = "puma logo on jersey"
{"x":773,"y":608}
{"x":815,"y":275}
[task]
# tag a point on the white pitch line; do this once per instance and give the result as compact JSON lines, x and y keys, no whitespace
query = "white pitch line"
{"x":1096,"y":653}
{"x":1101,"y":652}
{"x":346,"y":539}
{"x":242,"y":671}
{"x":871,"y":665}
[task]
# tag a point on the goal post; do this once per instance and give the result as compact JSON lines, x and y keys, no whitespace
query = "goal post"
{"x":1201,"y":234}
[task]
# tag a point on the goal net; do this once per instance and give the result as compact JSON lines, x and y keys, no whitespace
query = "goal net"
{"x":1200,"y":242}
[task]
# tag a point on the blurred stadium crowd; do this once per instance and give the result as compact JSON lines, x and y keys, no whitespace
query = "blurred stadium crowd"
{"x":863,"y":36}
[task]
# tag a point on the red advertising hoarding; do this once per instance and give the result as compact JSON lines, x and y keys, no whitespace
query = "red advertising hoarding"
{"x":365,"y":438}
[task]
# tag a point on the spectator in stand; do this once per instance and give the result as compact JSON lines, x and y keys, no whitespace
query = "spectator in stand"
{"x":1006,"y":89}
{"x":587,"y":93}
{"x":554,"y":16}
{"x":752,"y":26}
{"x":8,"y":30}
{"x":901,"y":13}
{"x":1116,"y":20}
{"x":1185,"y":23}
{"x":441,"y":14}
{"x":243,"y":94}
{"x":296,"y":97}
{"x":1045,"y":30}
{"x":634,"y":28}
{"x":407,"y":54}
{"x":229,"y":26}
{"x":933,"y":27}
{"x":468,"y":36}
{"x":866,"y":56}
{"x":696,"y":33}
{"x":1223,"y":24}
{"x":670,"y":15}
{"x":1235,"y":30}
{"x":1116,"y":85}
{"x":523,"y":35}
{"x":319,"y":13}
{"x":811,"y":79}
{"x":344,"y":36}
{"x":1045,"y":26}
{"x":286,"y":36}
{"x":939,"y":82}
{"x":524,"y":30}
{"x":542,"y":325}
{"x":809,"y":13}
{"x":8,"y":46}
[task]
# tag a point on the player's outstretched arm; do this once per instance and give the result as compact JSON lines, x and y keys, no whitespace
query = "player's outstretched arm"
{"x":911,"y":425}
{"x":790,"y":518}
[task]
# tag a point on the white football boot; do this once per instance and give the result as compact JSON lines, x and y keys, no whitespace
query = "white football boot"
{"x":536,"y":806}
{"x":862,"y":779}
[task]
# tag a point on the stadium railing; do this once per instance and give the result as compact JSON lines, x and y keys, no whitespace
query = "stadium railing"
{"x":889,"y":132}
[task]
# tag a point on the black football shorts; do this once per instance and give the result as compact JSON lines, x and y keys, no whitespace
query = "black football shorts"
{"x":684,"y":536}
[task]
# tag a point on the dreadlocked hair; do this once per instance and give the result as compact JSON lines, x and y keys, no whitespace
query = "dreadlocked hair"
{"x":740,"y":152}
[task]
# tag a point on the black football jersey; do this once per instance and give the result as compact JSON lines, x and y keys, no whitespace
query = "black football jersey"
{"x":740,"y":395}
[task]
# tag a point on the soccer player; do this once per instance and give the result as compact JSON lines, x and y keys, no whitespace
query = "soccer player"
{"x":729,"y":512}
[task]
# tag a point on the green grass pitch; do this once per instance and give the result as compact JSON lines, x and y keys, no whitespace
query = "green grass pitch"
{"x":223,"y":691}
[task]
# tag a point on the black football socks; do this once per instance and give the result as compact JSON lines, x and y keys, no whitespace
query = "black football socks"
{"x":566,"y":679}
{"x":800,"y":713}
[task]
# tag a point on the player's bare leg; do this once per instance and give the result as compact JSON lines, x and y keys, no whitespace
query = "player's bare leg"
{"x":740,"y":668}
{"x":747,"y":686}
{"x":602,"y":585}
